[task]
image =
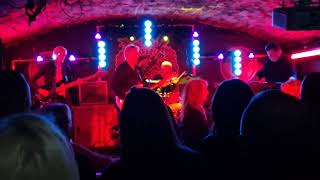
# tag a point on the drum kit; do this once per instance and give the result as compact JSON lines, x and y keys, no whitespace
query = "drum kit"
{"x":169,"y":91}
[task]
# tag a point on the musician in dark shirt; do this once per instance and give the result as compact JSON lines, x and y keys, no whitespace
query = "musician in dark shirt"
{"x":48,"y":71}
{"x":277,"y":68}
{"x":127,"y":74}
{"x":55,"y":73}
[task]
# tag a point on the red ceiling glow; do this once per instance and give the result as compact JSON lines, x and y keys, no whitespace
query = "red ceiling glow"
{"x":247,"y":16}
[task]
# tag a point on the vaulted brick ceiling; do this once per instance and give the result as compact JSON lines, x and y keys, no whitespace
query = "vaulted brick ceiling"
{"x":249,"y":16}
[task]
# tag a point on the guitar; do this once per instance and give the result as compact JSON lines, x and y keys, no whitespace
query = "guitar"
{"x":61,"y":90}
{"x":119,"y":101}
{"x":291,"y":87}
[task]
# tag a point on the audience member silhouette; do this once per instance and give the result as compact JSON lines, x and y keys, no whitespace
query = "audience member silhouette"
{"x":62,"y":117}
{"x":310,"y":92}
{"x":310,"y":96}
{"x":174,"y":122}
{"x":276,"y":132}
{"x":15,"y":93}
{"x":33,"y":148}
{"x":222,"y":145}
{"x":150,"y":148}
{"x":228,"y":104}
{"x":86,"y":158}
{"x":193,"y":115}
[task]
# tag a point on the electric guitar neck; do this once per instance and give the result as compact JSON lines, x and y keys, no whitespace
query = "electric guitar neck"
{"x":61,"y":90}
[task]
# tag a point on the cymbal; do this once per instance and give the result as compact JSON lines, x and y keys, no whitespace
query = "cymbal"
{"x":151,"y":81}
{"x":184,"y":80}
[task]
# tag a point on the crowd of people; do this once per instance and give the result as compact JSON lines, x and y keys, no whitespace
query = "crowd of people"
{"x":267,"y":135}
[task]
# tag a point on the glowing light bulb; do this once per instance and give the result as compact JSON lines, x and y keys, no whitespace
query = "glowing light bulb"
{"x":72,"y":58}
{"x":196,"y":62}
{"x":39,"y":59}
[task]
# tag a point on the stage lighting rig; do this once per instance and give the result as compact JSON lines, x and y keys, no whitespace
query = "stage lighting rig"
{"x":33,"y":8}
{"x":302,"y":3}
{"x":304,"y":15}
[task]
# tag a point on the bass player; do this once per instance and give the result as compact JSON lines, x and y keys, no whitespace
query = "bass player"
{"x":55,"y":73}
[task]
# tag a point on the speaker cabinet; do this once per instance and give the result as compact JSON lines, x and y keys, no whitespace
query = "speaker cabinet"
{"x":94,"y":126}
{"x":93,"y":93}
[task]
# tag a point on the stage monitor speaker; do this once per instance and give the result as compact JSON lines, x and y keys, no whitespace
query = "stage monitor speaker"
{"x":94,"y":126}
{"x":93,"y":93}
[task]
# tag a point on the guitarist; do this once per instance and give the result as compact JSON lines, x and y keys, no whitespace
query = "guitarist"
{"x":55,"y":73}
{"x":126,"y":74}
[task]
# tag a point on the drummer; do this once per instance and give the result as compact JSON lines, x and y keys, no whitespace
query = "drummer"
{"x":166,"y":75}
{"x":168,"y":88}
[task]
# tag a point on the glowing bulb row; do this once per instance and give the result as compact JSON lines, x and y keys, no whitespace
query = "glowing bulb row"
{"x":54,"y":57}
{"x":148,"y":35}
{"x":102,"y":54}
{"x":237,"y":66}
{"x":196,"y":49}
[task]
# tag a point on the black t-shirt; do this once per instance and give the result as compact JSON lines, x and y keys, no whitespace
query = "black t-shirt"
{"x":49,"y":73}
{"x":195,"y":127}
{"x":124,"y":78}
{"x":279,"y":71}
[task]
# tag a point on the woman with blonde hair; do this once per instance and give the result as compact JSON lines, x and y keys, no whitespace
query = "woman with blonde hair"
{"x":193,"y":116}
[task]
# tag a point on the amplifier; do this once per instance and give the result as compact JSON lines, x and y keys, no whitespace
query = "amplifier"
{"x":94,"y":126}
{"x":93,"y":93}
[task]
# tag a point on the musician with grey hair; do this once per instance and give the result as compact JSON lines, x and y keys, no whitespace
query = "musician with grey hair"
{"x":56,"y":72}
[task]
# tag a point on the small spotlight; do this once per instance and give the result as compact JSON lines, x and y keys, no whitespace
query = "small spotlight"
{"x":165,"y":38}
{"x":147,"y":37}
{"x":237,"y":59}
{"x":196,"y":62}
{"x":237,"y":72}
{"x":195,"y":34}
{"x":251,"y":55}
{"x":101,"y":50}
{"x":54,"y":57}
{"x":196,"y":42}
{"x":131,"y":38}
{"x":237,"y":65}
{"x":39,"y":59}
{"x":97,"y":36}
{"x":221,"y":56}
{"x":72,"y":58}
{"x":196,"y":49}
{"x":148,"y":43}
{"x":102,"y":64}
{"x":102,"y":57}
{"x":148,"y":30}
{"x":148,"y":23}
{"x":196,"y":55}
{"x":101,"y":44}
{"x":237,"y":53}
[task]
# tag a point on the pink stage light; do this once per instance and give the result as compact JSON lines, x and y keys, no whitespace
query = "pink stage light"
{"x":251,"y":56}
{"x":72,"y":58}
{"x":39,"y":59}
{"x":221,"y":57}
{"x":97,"y":36}
{"x":195,"y":34}
{"x":306,"y":54}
